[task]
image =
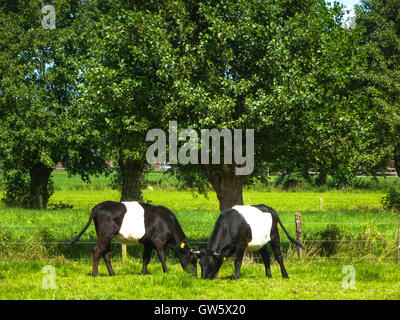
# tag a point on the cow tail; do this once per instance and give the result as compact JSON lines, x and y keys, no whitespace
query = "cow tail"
{"x":83,"y":230}
{"x":287,"y":234}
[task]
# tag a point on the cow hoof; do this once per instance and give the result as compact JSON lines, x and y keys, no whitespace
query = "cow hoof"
{"x":94,"y":275}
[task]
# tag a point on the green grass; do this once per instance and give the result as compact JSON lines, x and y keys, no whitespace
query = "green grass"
{"x":311,"y":278}
{"x":162,"y":180}
{"x":321,"y":279}
{"x":160,"y":190}
{"x":281,"y":201}
{"x":197,"y":224}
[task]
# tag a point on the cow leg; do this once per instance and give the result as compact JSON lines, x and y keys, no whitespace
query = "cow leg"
{"x":105,"y":233}
{"x":276,"y":248}
{"x":266,"y":259}
{"x":238,"y":261}
{"x":161,"y":255}
{"x":148,"y":248}
{"x":107,"y":259}
{"x":102,"y":249}
{"x":97,"y":253}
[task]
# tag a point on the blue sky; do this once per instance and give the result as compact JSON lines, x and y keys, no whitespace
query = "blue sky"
{"x":348,"y":3}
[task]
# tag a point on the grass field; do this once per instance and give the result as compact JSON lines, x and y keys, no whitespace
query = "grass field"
{"x":320,"y":279}
{"x":32,"y":239}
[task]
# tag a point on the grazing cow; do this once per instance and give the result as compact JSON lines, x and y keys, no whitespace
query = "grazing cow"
{"x":243,"y":228}
{"x":133,"y":223}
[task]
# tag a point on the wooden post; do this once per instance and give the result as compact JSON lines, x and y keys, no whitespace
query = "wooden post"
{"x":40,"y":201}
{"x":320,"y":204}
{"x":123,"y":252}
{"x":249,"y":256}
{"x":297,"y":216}
{"x":398,"y":242}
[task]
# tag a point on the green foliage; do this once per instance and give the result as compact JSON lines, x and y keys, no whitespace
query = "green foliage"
{"x":280,"y":68}
{"x":291,"y":180}
{"x":112,"y":70}
{"x":192,"y":180}
{"x":116,"y":181}
{"x":391,"y":201}
{"x":38,"y":126}
{"x":5,"y":238}
{"x":344,"y":176}
{"x":329,"y":240}
{"x":124,"y":84}
{"x":19,"y":189}
{"x":42,"y":244}
{"x":372,"y":242}
{"x":379,"y":74}
{"x":16,"y":185}
{"x":39,"y":245}
{"x":60,"y":205}
{"x":366,"y":242}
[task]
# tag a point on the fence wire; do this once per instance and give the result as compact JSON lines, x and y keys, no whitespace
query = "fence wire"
{"x":199,"y":242}
{"x":315,"y":206}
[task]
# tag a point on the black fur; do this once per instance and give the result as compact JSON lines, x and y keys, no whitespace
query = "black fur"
{"x":162,"y":232}
{"x":231,"y":236}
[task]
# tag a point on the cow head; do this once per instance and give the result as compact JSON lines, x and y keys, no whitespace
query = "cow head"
{"x":210,"y":263}
{"x":188,"y":257}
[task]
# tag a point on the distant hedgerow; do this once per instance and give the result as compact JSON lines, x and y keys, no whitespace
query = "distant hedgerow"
{"x":392,"y":200}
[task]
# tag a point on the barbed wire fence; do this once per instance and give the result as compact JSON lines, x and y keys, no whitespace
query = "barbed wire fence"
{"x":305,"y":241}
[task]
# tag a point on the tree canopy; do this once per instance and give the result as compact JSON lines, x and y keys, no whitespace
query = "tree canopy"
{"x":317,"y":96}
{"x":36,"y":90}
{"x":379,"y":22}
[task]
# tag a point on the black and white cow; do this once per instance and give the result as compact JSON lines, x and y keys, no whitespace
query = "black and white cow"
{"x":239,"y":229}
{"x":134,"y":223}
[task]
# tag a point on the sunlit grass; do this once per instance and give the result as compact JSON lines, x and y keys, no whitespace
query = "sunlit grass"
{"x":316,"y":278}
{"x":321,"y":279}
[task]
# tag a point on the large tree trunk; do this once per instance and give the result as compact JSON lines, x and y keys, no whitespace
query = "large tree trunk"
{"x":227,"y":185}
{"x":131,"y":171}
{"x":39,"y":180}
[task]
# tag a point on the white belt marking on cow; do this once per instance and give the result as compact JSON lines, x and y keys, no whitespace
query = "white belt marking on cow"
{"x":132,"y":227}
{"x":260,"y":224}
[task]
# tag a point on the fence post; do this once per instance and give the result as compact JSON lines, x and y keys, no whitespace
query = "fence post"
{"x":297,"y":216}
{"x":398,"y":242}
{"x":123,"y":252}
{"x":40,"y":201}
{"x":320,"y":204}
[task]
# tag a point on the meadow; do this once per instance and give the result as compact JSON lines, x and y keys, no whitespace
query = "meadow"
{"x":351,"y":229}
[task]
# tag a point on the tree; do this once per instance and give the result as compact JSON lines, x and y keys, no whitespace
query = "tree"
{"x":379,"y":20}
{"x":276,"y":67}
{"x":36,"y":94}
{"x":125,"y":82}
